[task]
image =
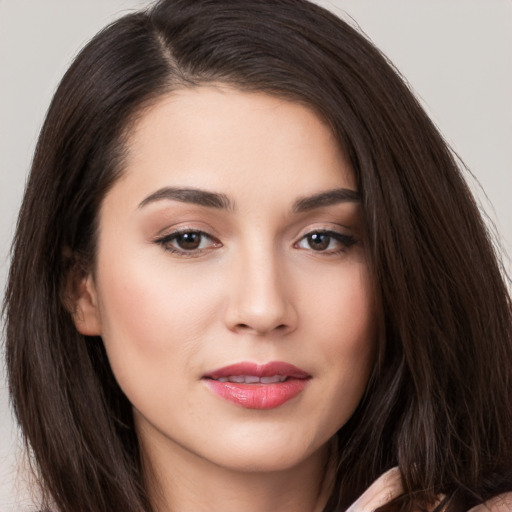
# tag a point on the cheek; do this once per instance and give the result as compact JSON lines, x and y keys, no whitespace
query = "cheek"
{"x":358,"y":327}
{"x":346,"y":333}
{"x":344,"y":313}
{"x":152,"y":319}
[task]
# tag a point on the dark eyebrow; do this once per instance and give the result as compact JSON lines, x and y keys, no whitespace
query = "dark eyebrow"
{"x":190,"y":195}
{"x":327,"y":198}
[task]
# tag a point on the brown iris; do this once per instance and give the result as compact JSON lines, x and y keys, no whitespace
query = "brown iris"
{"x":319,"y":241}
{"x":189,"y":241}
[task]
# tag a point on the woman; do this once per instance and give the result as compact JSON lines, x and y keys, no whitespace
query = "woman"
{"x":254,"y":278}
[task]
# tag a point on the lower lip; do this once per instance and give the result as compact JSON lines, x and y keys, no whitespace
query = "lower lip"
{"x":258,"y":396}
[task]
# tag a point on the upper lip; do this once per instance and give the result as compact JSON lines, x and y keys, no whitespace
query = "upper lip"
{"x":259,"y":370}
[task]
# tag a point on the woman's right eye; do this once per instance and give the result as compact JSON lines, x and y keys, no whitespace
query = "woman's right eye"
{"x":188,"y":242}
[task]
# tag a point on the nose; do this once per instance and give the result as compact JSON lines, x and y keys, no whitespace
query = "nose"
{"x":261,"y":299}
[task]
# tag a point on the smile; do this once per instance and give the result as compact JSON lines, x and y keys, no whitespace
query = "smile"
{"x":252,"y":379}
{"x":256,"y":386}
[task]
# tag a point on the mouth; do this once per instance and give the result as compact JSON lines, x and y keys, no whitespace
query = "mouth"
{"x":255,"y":386}
{"x":253,"y":379}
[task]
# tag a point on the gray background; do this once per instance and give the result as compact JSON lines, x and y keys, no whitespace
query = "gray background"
{"x":456,"y":54}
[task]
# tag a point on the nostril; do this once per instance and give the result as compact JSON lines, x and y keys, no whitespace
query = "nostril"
{"x":248,"y":327}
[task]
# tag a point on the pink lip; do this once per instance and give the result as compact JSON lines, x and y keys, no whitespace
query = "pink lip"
{"x":258,"y":395}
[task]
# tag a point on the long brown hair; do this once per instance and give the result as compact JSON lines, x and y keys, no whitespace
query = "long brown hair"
{"x":439,"y":402}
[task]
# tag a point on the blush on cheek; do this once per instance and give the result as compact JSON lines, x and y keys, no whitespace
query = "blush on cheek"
{"x":146,"y":309}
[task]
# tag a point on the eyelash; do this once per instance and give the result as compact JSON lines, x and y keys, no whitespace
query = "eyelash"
{"x":345,"y":242}
{"x":167,"y":240}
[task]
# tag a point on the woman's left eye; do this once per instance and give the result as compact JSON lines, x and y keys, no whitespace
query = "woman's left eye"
{"x":188,"y":242}
{"x":326,"y":241}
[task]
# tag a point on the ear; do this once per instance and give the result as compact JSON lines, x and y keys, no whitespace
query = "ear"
{"x":79,"y":297}
{"x":85,"y":312}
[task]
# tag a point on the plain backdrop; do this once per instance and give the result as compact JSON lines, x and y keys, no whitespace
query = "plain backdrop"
{"x":456,"y":55}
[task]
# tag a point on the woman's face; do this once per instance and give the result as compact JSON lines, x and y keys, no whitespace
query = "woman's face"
{"x":231,"y":288}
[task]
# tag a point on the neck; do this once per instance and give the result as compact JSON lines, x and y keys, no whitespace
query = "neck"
{"x":180,"y":481}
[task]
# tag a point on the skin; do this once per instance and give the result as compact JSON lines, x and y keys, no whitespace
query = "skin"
{"x":255,"y":289}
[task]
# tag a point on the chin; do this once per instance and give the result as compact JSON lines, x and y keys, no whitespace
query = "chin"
{"x":263,"y":453}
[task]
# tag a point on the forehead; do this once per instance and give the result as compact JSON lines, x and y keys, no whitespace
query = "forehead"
{"x":220,"y":138}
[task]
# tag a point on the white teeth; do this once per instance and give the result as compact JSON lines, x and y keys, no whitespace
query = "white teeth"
{"x":252,"y":379}
{"x":273,"y":379}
